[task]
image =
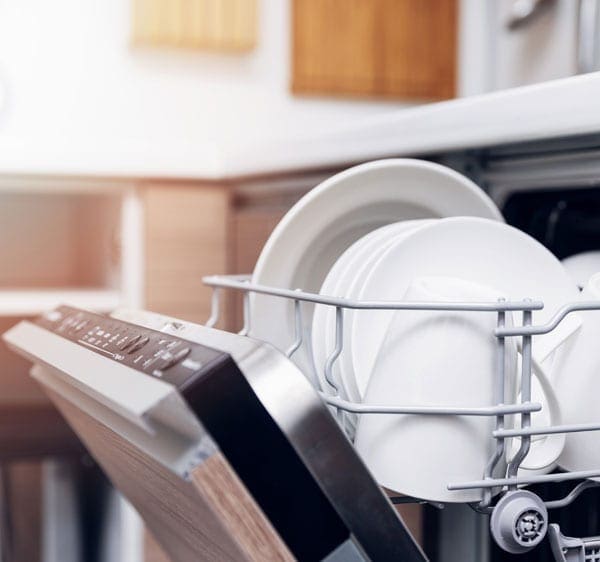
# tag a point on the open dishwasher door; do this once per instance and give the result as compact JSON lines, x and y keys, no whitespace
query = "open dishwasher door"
{"x":218,"y":440}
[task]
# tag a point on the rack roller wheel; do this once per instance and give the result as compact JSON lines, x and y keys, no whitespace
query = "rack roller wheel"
{"x":519,"y":522}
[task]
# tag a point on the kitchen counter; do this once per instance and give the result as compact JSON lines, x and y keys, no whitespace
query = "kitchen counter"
{"x":560,"y":108}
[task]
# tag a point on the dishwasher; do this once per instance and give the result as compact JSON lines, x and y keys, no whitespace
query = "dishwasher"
{"x":192,"y":425}
{"x":227,"y":452}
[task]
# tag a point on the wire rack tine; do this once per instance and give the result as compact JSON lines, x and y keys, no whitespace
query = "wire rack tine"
{"x":242,"y":283}
{"x":552,"y":323}
{"x":298,"y":329}
{"x":214,"y":308}
{"x":569,"y":428}
{"x":480,"y":411}
{"x":339,"y":345}
{"x":520,"y":455}
{"x":516,"y":481}
{"x":572,"y":495}
{"x":499,"y":390}
{"x":246,"y":327}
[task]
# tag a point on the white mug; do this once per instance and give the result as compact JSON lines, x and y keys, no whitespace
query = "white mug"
{"x":438,"y":358}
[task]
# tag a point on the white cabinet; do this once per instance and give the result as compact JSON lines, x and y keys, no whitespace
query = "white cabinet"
{"x":560,"y":40}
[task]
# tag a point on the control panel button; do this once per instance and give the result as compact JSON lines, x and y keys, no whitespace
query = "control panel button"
{"x":130,"y":342}
{"x":172,"y":360}
{"x":137,"y":346}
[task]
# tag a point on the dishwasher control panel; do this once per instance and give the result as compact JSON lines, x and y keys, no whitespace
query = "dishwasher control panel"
{"x":172,"y":359}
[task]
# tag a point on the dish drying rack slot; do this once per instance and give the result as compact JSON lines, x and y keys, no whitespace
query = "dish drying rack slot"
{"x":534,"y":521}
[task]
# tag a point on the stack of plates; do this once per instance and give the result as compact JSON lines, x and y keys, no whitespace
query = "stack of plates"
{"x":329,"y":219}
{"x":368,"y":234}
{"x":478,"y":250}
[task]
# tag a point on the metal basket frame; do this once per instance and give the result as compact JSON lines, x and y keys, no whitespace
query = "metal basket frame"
{"x":524,"y":408}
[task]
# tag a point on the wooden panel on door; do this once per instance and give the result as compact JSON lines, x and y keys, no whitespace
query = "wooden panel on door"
{"x":211,"y":516}
{"x":186,"y":238}
{"x":153,"y":552}
{"x":376,"y":48}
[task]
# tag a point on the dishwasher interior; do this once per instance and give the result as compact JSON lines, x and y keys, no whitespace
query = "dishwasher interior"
{"x":550,"y":189}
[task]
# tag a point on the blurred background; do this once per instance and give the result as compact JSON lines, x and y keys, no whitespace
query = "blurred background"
{"x":146,"y":143}
{"x":126,"y":77}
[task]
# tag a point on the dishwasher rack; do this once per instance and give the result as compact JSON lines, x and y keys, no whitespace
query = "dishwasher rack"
{"x":519,"y":519}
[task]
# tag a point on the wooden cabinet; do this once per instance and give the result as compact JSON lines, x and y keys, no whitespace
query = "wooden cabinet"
{"x":250,"y":229}
{"x":228,"y":25}
{"x":196,"y":230}
{"x":186,"y":236}
{"x":375,"y":48}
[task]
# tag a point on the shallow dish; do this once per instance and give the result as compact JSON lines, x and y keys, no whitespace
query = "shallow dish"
{"x":345,"y":280}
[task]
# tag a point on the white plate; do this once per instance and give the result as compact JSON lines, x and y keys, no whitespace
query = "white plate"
{"x":347,"y":272}
{"x":326,"y":221}
{"x":334,"y":286}
{"x":344,"y":280}
{"x":482,"y":251}
{"x":321,"y":326}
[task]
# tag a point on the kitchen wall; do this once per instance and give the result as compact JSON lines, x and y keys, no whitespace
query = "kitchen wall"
{"x":71,"y":79}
